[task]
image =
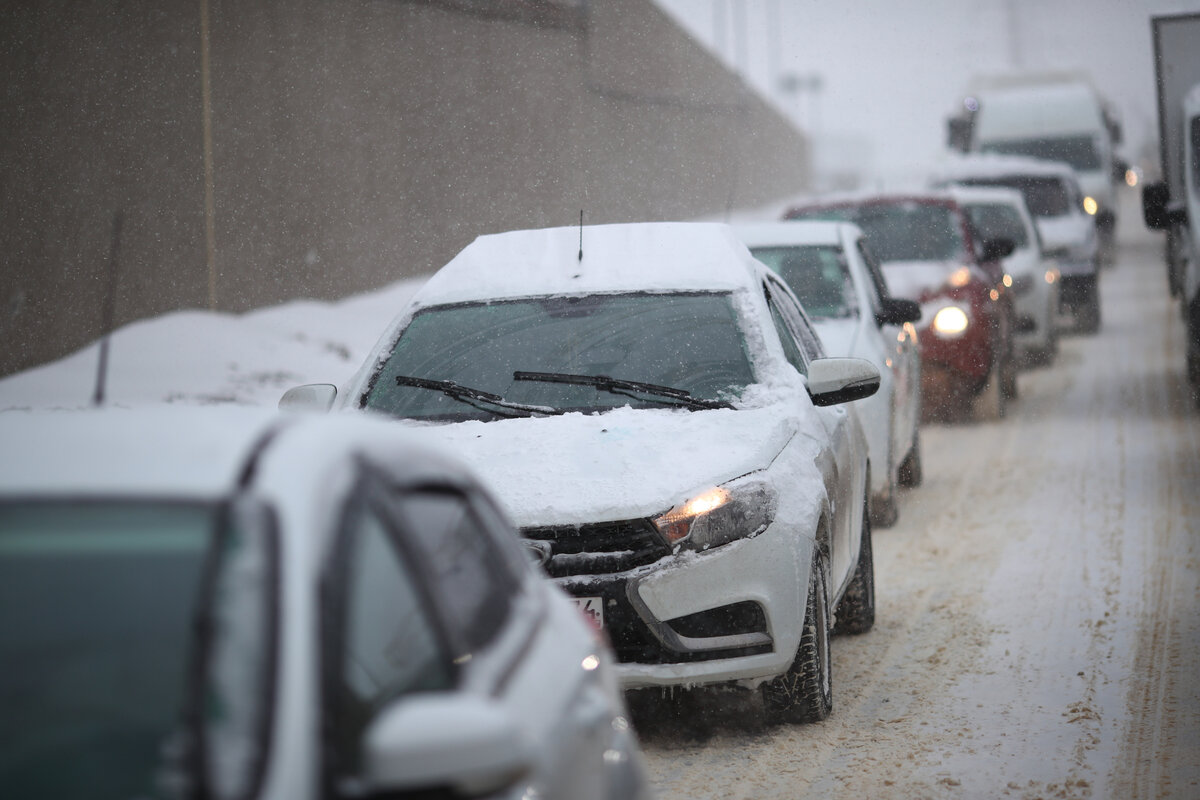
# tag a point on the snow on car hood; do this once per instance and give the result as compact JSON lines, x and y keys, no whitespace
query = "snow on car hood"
{"x":910,"y":279}
{"x":624,"y":464}
{"x":1068,"y":232}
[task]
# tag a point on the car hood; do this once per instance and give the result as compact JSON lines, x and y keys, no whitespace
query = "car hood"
{"x":1065,"y":232}
{"x":912,"y":279}
{"x":623,"y":464}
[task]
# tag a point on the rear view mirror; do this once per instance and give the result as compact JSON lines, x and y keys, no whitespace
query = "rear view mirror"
{"x":997,"y":249}
{"x":839,"y":380}
{"x":465,"y":743}
{"x":1158,"y":212}
{"x":309,"y":397}
{"x":897,"y":311}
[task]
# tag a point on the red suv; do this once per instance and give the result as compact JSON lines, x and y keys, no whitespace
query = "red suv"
{"x":930,"y":253}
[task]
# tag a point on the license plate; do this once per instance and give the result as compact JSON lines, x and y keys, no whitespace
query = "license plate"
{"x":592,"y":607}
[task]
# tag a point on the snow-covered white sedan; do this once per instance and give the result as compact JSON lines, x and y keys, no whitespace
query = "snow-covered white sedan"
{"x":1001,"y":213}
{"x":226,"y":603}
{"x":655,"y":411}
{"x":838,"y":281}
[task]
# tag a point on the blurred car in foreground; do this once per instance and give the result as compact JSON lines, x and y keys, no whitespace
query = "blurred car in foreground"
{"x":930,"y":254}
{"x":654,"y":409}
{"x":1068,"y":231}
{"x":1001,"y":213}
{"x":837,"y":280}
{"x":233,"y":604}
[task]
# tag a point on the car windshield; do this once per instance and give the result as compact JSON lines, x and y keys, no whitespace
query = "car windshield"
{"x":1078,"y":151}
{"x":1046,"y":196}
{"x":903,"y":231}
{"x":687,"y":341}
{"x":998,"y":221}
{"x":818,"y":276}
{"x":100,"y":603}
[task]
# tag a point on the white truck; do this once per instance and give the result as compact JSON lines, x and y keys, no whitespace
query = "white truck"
{"x":1054,"y":117}
{"x":1173,"y":204}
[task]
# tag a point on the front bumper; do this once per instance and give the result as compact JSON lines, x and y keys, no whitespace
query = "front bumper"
{"x":732,"y":613}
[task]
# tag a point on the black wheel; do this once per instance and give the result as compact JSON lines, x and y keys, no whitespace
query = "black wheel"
{"x":856,"y":611}
{"x":911,"y":472}
{"x":1087,"y":316}
{"x":805,"y":692}
{"x":1008,"y":377}
{"x":885,"y":511}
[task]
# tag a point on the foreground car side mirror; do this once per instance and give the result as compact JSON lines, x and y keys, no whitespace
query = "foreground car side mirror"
{"x":309,"y":397}
{"x":466,"y":743}
{"x":897,"y":311}
{"x":839,"y":380}
{"x":997,"y":249}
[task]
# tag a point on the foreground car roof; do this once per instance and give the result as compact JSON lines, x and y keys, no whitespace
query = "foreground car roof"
{"x":656,"y":256}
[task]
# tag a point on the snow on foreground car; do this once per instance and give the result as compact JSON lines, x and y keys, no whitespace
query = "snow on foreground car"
{"x":655,"y":411}
{"x":837,"y":280}
{"x":226,"y":603}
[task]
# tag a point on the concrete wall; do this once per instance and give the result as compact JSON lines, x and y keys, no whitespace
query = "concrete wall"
{"x":316,"y":149}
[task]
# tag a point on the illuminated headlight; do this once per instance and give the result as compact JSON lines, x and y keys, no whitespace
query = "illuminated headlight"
{"x":719,"y":515}
{"x":1090,"y":206}
{"x":950,"y":322}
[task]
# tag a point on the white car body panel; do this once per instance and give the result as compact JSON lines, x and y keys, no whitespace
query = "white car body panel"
{"x":632,"y":463}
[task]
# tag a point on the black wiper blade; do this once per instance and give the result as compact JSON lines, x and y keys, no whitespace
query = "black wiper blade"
{"x":663,"y":394}
{"x":471,"y":396}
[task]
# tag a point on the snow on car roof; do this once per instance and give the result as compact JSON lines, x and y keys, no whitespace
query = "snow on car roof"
{"x":988,"y":194}
{"x":918,"y":195}
{"x":157,"y":451}
{"x":995,"y":165}
{"x":651,"y":256}
{"x":793,"y":232}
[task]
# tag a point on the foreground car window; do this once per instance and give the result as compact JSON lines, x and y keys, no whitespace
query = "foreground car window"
{"x":817,"y":275}
{"x":97,"y":602}
{"x":685,"y":341}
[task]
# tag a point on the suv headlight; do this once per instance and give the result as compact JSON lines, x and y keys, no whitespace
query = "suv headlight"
{"x":719,"y":515}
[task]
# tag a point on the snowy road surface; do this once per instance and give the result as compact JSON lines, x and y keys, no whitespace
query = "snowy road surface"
{"x":1038,"y":632}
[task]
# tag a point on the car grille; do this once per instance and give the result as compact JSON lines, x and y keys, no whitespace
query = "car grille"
{"x":599,"y":548}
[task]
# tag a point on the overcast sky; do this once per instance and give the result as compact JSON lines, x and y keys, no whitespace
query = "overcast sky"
{"x":886,"y":79}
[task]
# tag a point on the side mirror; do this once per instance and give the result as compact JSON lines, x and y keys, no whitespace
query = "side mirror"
{"x":839,"y":380}
{"x":1158,"y":212}
{"x":897,"y":311}
{"x":466,"y":743}
{"x":997,"y":249}
{"x":309,"y":397}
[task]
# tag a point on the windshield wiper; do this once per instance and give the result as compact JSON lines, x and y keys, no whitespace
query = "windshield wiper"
{"x":473,"y":397}
{"x":667,"y":395}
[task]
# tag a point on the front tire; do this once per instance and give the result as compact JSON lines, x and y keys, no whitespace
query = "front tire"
{"x":805,"y":692}
{"x":911,"y":471}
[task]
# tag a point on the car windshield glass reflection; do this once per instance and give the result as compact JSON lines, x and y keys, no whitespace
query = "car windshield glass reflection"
{"x":998,"y":221}
{"x":1045,"y":196}
{"x":817,"y":275}
{"x":901,"y":231}
{"x":690,"y":342}
{"x":1078,"y":151}
{"x":98,"y":602}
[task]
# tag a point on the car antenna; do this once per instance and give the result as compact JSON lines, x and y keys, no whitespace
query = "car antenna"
{"x":110,"y":302}
{"x":581,"y":234}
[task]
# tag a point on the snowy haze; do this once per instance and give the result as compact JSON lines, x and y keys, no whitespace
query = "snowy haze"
{"x":877,"y":80}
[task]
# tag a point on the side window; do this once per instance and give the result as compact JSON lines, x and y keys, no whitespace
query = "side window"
{"x":1194,"y":142}
{"x":473,"y":581}
{"x":384,"y":641}
{"x":791,"y":350}
{"x":810,"y":343}
{"x":876,"y":288}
